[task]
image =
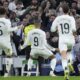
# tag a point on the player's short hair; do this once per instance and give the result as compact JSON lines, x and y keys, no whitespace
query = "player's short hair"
{"x":65,"y":7}
{"x":2,"y":10}
{"x":37,"y":20}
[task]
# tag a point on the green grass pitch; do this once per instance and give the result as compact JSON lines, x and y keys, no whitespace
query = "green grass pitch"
{"x":39,"y":78}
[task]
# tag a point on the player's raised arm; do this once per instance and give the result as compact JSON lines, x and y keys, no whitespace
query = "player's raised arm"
{"x":10,"y":29}
{"x":54,"y":26}
{"x":74,"y":26}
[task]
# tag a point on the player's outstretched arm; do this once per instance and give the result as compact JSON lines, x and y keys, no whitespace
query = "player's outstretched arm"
{"x":10,"y":29}
{"x":51,"y":48}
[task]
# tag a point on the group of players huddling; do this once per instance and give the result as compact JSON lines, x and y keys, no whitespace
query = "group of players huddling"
{"x":64,"y":25}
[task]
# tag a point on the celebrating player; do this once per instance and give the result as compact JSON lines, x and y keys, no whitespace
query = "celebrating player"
{"x":65,"y":25}
{"x":5,"y":43}
{"x":39,"y":46}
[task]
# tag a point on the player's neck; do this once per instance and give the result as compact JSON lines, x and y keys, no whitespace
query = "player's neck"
{"x":37,"y":28}
{"x":66,"y":14}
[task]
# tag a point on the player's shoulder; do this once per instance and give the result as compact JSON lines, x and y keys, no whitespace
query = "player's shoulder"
{"x":40,"y":30}
{"x":72,"y":17}
{"x":62,"y":16}
{"x":5,"y":21}
{"x":59,"y":17}
{"x":66,"y":16}
{"x":8,"y":20}
{"x":37,"y":31}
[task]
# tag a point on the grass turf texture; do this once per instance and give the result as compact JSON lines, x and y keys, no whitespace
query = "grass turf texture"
{"x":39,"y":78}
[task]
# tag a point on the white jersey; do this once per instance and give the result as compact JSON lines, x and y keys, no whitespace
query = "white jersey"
{"x":37,"y":39}
{"x":5,"y":28}
{"x":65,"y":25}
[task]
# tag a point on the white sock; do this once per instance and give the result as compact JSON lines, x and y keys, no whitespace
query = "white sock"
{"x":70,"y":58}
{"x":53,"y":63}
{"x":9,"y":62}
{"x":64,"y":64}
{"x":30,"y":63}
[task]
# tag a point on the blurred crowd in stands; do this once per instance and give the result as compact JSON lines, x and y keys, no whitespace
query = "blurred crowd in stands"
{"x":27,"y":11}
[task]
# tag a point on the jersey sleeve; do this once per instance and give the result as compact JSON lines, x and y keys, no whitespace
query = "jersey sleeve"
{"x":50,"y":47}
{"x":73,"y":25}
{"x":10,"y":29}
{"x":47,"y":45}
{"x":54,"y":26}
{"x":44,"y":36}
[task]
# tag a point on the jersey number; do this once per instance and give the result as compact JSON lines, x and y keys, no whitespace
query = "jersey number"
{"x":36,"y":42}
{"x":1,"y":33}
{"x":65,"y":28}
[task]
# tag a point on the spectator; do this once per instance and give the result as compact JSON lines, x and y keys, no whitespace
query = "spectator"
{"x":19,"y":8}
{"x":14,"y":19}
{"x":77,"y":55}
{"x":51,"y":14}
{"x":75,"y":5}
{"x":5,"y":5}
{"x":12,"y":6}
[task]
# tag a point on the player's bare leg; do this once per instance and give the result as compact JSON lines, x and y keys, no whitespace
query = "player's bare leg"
{"x":65,"y":65}
{"x":52,"y":64}
{"x":9,"y":62}
{"x":70,"y":62}
{"x":30,"y":63}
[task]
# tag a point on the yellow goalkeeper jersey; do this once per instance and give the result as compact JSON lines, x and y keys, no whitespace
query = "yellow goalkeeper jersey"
{"x":27,"y":29}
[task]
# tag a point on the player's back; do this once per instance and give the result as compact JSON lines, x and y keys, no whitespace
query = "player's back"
{"x":65,"y":25}
{"x":4,"y":24}
{"x":37,"y":39}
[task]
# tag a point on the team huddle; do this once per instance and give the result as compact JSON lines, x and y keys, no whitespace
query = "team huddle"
{"x":64,"y":25}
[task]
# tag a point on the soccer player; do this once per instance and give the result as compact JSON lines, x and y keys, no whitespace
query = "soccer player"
{"x":66,"y":27}
{"x":39,"y":46}
{"x":5,"y":43}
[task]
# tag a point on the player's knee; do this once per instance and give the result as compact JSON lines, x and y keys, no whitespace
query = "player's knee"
{"x":64,"y":55}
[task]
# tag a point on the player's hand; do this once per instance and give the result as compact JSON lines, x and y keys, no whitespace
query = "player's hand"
{"x":21,"y":26}
{"x":21,"y":47}
{"x":57,"y":49}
